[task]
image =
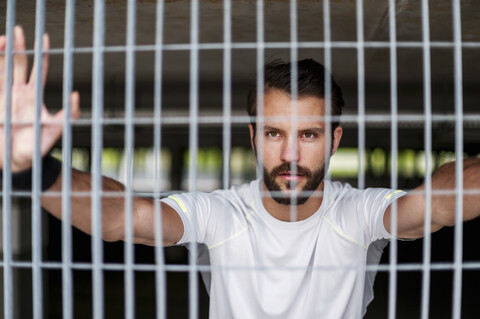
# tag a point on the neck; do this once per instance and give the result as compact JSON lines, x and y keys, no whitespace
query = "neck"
{"x":291,"y":213}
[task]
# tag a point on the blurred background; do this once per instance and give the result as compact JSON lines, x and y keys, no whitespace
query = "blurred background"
{"x":273,"y":31}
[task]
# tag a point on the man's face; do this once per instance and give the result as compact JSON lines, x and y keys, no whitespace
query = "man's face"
{"x":293,"y":151}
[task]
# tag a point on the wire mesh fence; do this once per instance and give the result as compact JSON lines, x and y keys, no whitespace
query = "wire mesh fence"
{"x":163,"y":88}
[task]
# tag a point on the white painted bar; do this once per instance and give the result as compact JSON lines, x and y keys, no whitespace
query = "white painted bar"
{"x":427,"y":105}
{"x":160,"y":276}
{"x":37,"y":243}
{"x":193,"y":150}
{"x":67,"y":280}
{"x":7,"y":169}
{"x":392,"y":297}
{"x":129,"y":275}
{"x":97,"y":146}
{"x":458,"y":244}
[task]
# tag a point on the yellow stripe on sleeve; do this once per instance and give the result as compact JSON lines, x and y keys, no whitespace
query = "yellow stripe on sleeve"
{"x":393,"y":193}
{"x":179,"y":202}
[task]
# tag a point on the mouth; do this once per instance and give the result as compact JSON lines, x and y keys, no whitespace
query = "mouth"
{"x":289,"y":176}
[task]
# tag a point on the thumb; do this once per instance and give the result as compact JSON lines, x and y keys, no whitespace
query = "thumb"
{"x":75,"y":105}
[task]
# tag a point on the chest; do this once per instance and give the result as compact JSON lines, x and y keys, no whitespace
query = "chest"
{"x":260,"y":245}
{"x":273,"y":269}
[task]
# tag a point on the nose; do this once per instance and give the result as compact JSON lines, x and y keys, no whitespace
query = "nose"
{"x":290,"y":151}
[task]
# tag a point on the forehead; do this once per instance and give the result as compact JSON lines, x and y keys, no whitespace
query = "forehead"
{"x":280,"y":104}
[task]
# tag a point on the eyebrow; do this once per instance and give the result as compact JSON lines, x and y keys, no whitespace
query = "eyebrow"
{"x":272,"y":128}
{"x":316,"y":130}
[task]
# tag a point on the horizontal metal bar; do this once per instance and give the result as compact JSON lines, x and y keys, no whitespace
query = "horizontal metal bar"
{"x":442,"y":192}
{"x":266,"y":45}
{"x":412,"y":119}
{"x":439,"y":266}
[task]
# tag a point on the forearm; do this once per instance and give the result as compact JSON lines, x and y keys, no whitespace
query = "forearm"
{"x":112,"y":201}
{"x":444,"y":198}
{"x":113,"y":211}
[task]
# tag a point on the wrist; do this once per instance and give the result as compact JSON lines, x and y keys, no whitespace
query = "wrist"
{"x":51,"y":169}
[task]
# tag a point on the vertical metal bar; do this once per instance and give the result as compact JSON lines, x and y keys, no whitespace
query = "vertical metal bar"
{"x":227,"y":91}
{"x":361,"y":95}
{"x":294,"y":98}
{"x":37,"y":166}
{"x":129,"y":131}
{"x":427,"y":104}
{"x":328,"y":84}
{"x":67,"y":282}
{"x":457,"y":55}
{"x":361,"y":116}
{"x":227,"y":94}
{"x":160,"y":278}
{"x":328,"y":80}
{"x":7,"y":168}
{"x":97,"y":144}
{"x":193,"y":149}
{"x":260,"y":98}
{"x":260,"y":119}
{"x":394,"y":150}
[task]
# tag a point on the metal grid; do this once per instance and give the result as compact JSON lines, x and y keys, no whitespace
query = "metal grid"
{"x":227,"y":119}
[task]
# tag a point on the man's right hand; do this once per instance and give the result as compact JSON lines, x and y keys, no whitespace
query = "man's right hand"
{"x":23,"y":105}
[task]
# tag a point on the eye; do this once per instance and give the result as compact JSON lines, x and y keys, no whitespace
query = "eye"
{"x":309,"y":135}
{"x":273,"y":134}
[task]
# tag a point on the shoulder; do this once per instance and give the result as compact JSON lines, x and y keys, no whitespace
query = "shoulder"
{"x":219,"y":201}
{"x":337,"y":192}
{"x":339,"y":198}
{"x":359,"y":212}
{"x":344,"y":201}
{"x":237,"y":193}
{"x":344,"y":192}
{"x":237,"y":200}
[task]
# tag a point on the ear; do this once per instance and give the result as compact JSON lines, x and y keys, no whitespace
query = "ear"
{"x":252,"y":136}
{"x":337,"y":136}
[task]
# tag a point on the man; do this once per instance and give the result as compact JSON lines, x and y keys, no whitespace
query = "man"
{"x":289,"y":245}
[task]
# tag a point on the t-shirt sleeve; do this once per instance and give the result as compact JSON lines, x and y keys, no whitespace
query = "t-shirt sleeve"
{"x":194,"y":210}
{"x":375,"y":202}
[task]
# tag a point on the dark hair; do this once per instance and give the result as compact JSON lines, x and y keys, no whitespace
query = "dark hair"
{"x":310,"y":82}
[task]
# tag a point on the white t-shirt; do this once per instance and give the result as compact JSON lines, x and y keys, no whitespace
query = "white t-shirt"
{"x":266,"y":268}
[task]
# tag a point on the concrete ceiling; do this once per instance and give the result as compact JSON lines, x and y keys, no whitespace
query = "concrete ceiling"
{"x":310,"y":33}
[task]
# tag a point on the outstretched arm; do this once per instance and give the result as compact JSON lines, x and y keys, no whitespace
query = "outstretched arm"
{"x":411,"y":207}
{"x":22,"y":141}
{"x":113,"y":211}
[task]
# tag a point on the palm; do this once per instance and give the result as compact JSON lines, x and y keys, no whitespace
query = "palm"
{"x":23,"y":109}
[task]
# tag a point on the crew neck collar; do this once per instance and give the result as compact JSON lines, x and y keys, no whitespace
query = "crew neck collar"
{"x":286,"y":224}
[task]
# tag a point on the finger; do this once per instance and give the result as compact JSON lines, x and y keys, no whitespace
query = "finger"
{"x":75,"y":105}
{"x":3,"y":42}
{"x":59,"y":117}
{"x":46,"y":47}
{"x":51,"y":132}
{"x":20,"y":60}
{"x":52,"y":127}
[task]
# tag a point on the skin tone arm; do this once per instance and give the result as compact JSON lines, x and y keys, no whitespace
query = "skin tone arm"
{"x":113,"y":212}
{"x":22,"y":138}
{"x":411,"y":207}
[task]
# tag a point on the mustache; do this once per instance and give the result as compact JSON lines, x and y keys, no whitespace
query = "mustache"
{"x":286,"y":167}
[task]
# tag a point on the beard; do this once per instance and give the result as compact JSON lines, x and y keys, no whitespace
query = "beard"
{"x":313,"y":181}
